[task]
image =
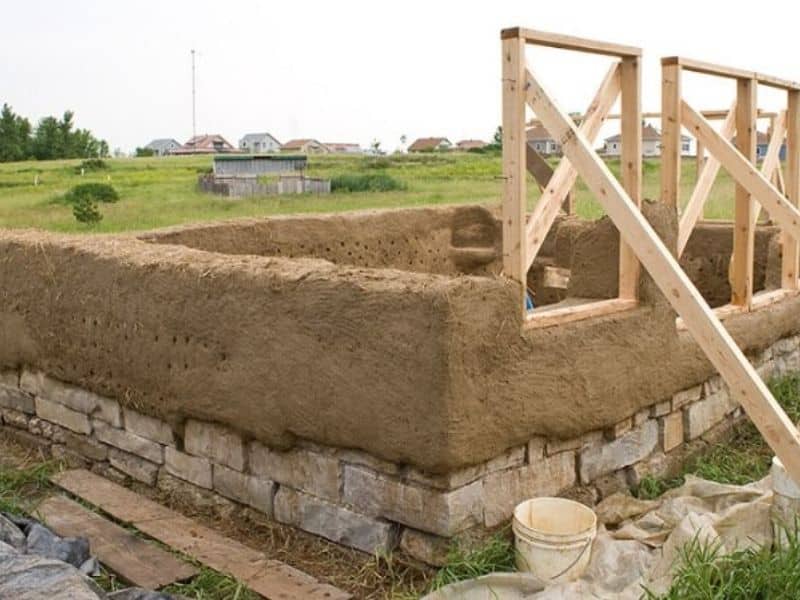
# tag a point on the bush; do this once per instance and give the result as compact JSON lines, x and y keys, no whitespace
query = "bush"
{"x":92,"y":164}
{"x":379,"y":182}
{"x":85,"y":210}
{"x":96,"y":192}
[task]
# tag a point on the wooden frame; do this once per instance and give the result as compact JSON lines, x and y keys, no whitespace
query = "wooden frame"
{"x":745,"y":385}
{"x":623,"y":79}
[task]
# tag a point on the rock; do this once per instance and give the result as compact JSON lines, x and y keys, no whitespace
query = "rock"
{"x":33,"y":577}
{"x":11,"y":534}
{"x":193,"y":469}
{"x":140,"y":594}
{"x":313,"y":473}
{"x":149,"y":427}
{"x":44,"y":543}
{"x":626,"y":450}
{"x":215,"y":442}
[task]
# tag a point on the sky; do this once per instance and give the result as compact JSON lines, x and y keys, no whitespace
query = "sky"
{"x":347,"y":71}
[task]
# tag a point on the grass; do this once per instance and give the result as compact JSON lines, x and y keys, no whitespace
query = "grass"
{"x":19,"y":485}
{"x":495,"y":555}
{"x":157,"y":192}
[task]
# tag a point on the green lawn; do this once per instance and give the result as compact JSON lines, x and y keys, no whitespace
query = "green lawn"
{"x":156,"y":192}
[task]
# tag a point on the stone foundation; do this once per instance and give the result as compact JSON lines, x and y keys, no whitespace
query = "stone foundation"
{"x":356,"y":499}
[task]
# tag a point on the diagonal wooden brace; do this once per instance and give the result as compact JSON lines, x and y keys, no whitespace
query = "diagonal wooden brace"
{"x":745,"y":385}
{"x":546,"y":210}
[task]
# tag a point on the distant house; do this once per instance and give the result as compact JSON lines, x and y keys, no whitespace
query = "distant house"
{"x":259,"y":142}
{"x":542,"y":141}
{"x":343,"y":148}
{"x":163,"y":146}
{"x":465,"y":145}
{"x":762,"y":143}
{"x":431,"y":144}
{"x":651,"y":143}
{"x":305,"y":146}
{"x":206,"y":144}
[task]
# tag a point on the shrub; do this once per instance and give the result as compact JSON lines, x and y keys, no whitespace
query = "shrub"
{"x":96,"y":192}
{"x":85,"y":210}
{"x":378,"y":182}
{"x":92,"y":164}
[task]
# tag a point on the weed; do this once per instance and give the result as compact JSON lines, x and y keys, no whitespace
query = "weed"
{"x":19,"y":484}
{"x":496,"y":554}
{"x":210,"y":585}
{"x":378,"y":182}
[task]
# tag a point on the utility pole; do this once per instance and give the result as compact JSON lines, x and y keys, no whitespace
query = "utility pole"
{"x":194,"y":113}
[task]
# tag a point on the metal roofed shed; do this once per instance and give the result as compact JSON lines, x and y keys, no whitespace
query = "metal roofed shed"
{"x":248,"y":164}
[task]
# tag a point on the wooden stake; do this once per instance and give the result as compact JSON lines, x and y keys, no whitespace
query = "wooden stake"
{"x":670,"y":134}
{"x":789,"y":267}
{"x":743,"y":230}
{"x":745,"y":385}
{"x":631,"y":165}
{"x":514,"y":172}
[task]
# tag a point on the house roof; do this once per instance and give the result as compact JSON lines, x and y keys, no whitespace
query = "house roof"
{"x":206,"y":144}
{"x":258,"y":136}
{"x":649,"y":134}
{"x":429,"y":143}
{"x":467,"y":144}
{"x":341,"y":145}
{"x":538,"y":133}
{"x":161,"y":142}
{"x":299,"y":143}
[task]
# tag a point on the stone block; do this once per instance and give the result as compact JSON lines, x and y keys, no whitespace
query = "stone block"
{"x":149,"y":427}
{"x":713,"y":385}
{"x":46,"y":429}
{"x":502,"y":491}
{"x":129,"y":442}
{"x":25,"y":438}
{"x":71,"y":458}
{"x":661,"y":409}
{"x":785,"y":345}
{"x":108,"y":410}
{"x":333,"y":522}
{"x":15,"y":418}
{"x":215,"y":442}
{"x":618,"y":429}
{"x":310,"y":472}
{"x":75,"y":398}
{"x":85,"y":446}
{"x":583,"y":441}
{"x":702,"y":416}
{"x":513,"y":457}
{"x":130,"y":464}
{"x":187,"y":493}
{"x":193,"y":469}
{"x":425,"y":547}
{"x":245,"y":489}
{"x":628,"y":449}
{"x":670,"y":430}
{"x":434,"y":511}
{"x":358,"y":457}
{"x":536,"y":449}
{"x":16,"y":399}
{"x":109,"y":472}
{"x":60,"y":414}
{"x":9,"y":379}
{"x":640,"y":417}
{"x":684,"y":397}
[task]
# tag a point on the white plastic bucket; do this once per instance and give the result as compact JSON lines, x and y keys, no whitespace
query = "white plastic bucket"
{"x":553,"y":538}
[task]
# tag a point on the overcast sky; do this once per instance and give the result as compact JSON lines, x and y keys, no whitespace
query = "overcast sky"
{"x":342,"y":71}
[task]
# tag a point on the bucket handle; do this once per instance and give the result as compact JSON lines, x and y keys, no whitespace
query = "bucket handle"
{"x":577,"y":558}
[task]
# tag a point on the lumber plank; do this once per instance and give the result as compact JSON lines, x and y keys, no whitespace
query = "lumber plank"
{"x":745,"y":385}
{"x":546,"y":210}
{"x":770,"y":167}
{"x":670,"y":135}
{"x":569,"y":314}
{"x":133,"y":559}
{"x":568,"y":42}
{"x":744,"y":233}
{"x":698,"y":66}
{"x":270,"y":578}
{"x":631,"y":165}
{"x":542,"y":172}
{"x":785,"y":214}
{"x":515,"y":195}
{"x":556,"y":277}
{"x":694,"y":208}
{"x":761,"y":301}
{"x":791,"y":250}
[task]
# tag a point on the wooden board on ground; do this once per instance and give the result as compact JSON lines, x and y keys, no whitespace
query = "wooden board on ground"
{"x":135,"y":560}
{"x":270,"y":578}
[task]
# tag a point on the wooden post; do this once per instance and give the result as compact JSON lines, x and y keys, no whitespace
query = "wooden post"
{"x":699,"y":158}
{"x":670,"y":134}
{"x":789,"y":268}
{"x":741,"y":271}
{"x":631,"y":164}
{"x":514,"y":167}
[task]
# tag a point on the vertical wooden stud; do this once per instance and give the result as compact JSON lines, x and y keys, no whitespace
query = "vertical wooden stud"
{"x":700,"y":158}
{"x":670,"y":134}
{"x":631,"y":164}
{"x":514,"y":164}
{"x":741,"y":272}
{"x":789,"y":268}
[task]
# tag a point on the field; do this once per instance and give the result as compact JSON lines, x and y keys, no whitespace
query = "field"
{"x":157,"y":192}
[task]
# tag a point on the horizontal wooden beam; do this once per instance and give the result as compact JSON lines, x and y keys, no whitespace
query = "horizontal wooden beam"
{"x":715,"y":115}
{"x":698,"y":66}
{"x":559,"y":316}
{"x":746,"y":387}
{"x":761,"y":301}
{"x":567,"y":42}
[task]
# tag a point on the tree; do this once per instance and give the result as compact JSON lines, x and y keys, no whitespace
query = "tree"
{"x":498,"y":136}
{"x":15,"y":134}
